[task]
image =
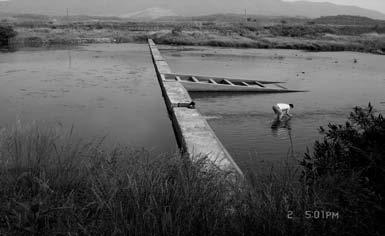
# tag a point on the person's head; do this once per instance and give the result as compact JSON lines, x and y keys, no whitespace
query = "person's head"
{"x":291,"y":106}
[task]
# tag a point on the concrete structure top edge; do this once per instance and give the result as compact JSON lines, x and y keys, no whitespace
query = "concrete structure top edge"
{"x":191,"y":129}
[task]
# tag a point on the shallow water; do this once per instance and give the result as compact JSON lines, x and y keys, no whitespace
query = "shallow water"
{"x":244,"y":123}
{"x":103,"y":90}
{"x":112,"y":90}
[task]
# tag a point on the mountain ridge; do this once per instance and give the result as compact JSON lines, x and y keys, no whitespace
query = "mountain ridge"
{"x":136,"y":8}
{"x":150,"y":13}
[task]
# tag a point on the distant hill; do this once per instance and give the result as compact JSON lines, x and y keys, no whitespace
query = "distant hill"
{"x":38,"y":18}
{"x":30,"y":17}
{"x":188,"y":8}
{"x":226,"y":8}
{"x":347,"y":20}
{"x":266,"y":8}
{"x":261,"y":19}
{"x":319,"y":9}
{"x":150,"y":13}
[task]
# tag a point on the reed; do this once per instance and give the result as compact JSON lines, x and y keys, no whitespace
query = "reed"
{"x":301,"y":36}
{"x":53,"y":183}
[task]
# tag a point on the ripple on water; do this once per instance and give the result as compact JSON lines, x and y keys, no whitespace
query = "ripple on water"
{"x":246,"y":120}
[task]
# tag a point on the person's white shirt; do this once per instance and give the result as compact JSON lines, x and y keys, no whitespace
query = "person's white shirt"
{"x":284,"y":106}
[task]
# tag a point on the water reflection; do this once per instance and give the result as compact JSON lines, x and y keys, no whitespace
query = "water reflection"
{"x":282,"y":128}
{"x":115,"y":94}
{"x":280,"y":124}
{"x":246,"y":126}
{"x":69,"y":59}
{"x":224,"y":95}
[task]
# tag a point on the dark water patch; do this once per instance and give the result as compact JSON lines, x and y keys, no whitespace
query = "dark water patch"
{"x":14,"y":71}
{"x":98,"y":96}
{"x":222,"y":94}
{"x":166,"y":49}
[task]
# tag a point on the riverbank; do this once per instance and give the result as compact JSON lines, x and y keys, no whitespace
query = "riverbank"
{"x":235,"y":35}
{"x":53,"y":183}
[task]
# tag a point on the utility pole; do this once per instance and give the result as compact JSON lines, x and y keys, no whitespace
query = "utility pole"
{"x":68,"y":20}
{"x":245,"y":15}
{"x":68,"y":17}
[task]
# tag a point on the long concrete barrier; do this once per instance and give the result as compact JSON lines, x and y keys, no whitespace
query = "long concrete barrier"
{"x":194,"y":135}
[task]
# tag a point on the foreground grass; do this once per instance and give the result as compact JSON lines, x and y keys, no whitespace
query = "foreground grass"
{"x":53,"y":184}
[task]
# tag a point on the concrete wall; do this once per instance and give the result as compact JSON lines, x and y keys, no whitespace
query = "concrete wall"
{"x":194,"y":135}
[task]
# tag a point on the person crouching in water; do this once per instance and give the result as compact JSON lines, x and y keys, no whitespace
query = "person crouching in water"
{"x":281,"y":109}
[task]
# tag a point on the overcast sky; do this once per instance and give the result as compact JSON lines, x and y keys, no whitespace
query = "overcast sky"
{"x":112,"y":7}
{"x":378,"y":5}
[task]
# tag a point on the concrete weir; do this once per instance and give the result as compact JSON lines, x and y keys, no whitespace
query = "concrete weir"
{"x":194,"y":135}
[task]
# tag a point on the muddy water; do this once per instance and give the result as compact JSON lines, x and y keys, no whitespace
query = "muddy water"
{"x":103,"y":90}
{"x":337,"y":81}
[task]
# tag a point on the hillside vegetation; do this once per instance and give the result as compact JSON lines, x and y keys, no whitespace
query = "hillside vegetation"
{"x":338,"y":33}
{"x":348,"y":20}
{"x":6,"y":34}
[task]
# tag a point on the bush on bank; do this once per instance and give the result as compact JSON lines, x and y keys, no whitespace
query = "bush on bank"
{"x":347,"y":171}
{"x":6,"y":33}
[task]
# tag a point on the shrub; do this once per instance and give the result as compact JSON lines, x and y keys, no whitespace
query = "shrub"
{"x":347,"y":171}
{"x":177,"y":30}
{"x":6,"y":33}
{"x":34,"y":41}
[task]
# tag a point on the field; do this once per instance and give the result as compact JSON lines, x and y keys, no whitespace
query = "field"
{"x":341,"y":33}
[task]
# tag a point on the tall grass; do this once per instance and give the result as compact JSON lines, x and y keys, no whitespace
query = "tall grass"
{"x":6,"y":33}
{"x":312,"y":37}
{"x":55,"y":184}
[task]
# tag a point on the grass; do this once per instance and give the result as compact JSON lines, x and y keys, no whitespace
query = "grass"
{"x":55,"y":184}
{"x":303,"y":36}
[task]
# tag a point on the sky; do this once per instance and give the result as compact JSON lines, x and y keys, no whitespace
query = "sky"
{"x":112,"y":7}
{"x":378,"y":5}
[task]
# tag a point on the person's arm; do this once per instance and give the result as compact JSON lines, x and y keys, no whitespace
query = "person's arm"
{"x":288,"y":113}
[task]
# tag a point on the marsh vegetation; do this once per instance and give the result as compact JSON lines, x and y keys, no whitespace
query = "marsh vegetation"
{"x":54,"y":184}
{"x":6,"y":34}
{"x":340,"y":33}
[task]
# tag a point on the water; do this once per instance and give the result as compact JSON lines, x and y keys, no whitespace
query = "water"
{"x":244,"y":123}
{"x":103,"y":90}
{"x":112,"y":90}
